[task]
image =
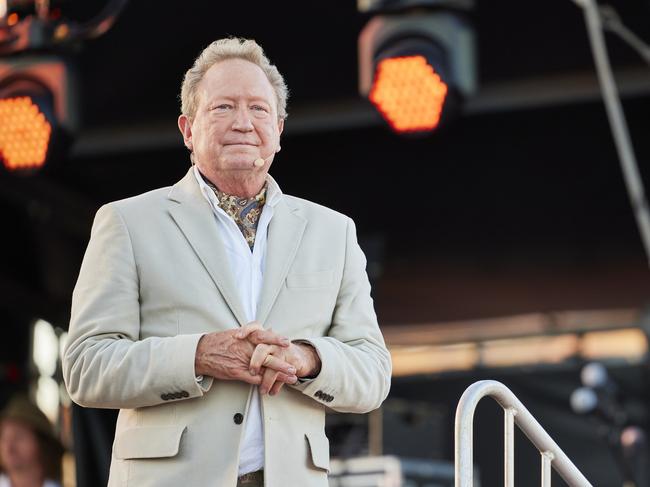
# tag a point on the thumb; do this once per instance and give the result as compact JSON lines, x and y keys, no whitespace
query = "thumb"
{"x":247,"y":329}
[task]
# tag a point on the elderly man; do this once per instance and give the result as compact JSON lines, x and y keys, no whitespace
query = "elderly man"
{"x":219,"y":315}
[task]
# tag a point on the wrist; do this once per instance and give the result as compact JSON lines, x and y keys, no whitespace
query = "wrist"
{"x":311,"y":363}
{"x":199,"y":369}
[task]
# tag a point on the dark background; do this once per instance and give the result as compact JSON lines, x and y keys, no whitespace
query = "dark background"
{"x":514,"y":207}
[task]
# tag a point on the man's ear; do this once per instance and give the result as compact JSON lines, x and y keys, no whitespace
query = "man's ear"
{"x":280,"y":129}
{"x":185,"y":126}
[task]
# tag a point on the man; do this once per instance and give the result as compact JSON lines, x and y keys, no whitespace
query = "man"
{"x":219,"y":315}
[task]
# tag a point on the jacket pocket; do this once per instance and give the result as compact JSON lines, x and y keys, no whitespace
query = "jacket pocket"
{"x":311,"y":279}
{"x":319,"y":447}
{"x":148,"y":442}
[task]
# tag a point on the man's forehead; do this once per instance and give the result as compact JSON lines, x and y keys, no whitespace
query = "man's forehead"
{"x":236,"y":77}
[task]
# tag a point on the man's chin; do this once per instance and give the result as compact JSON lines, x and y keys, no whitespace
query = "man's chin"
{"x":247,"y":165}
{"x":240,"y":163}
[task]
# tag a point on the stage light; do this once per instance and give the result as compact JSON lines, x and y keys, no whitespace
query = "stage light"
{"x":38,"y":96}
{"x":416,"y":68}
{"x":408,"y":93}
{"x":24,"y":134}
{"x":37,"y":113}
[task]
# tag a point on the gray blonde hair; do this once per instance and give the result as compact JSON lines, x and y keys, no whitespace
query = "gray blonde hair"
{"x":231,"y":48}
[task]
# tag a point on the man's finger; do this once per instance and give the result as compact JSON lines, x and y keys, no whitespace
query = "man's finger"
{"x":247,"y":329}
{"x":245,"y":376}
{"x":278,"y":365}
{"x":268,"y":379}
{"x":260,"y":354}
{"x":269,"y":337}
{"x":286,"y":378}
{"x":280,"y":380}
{"x":263,"y":358}
{"x":276,"y":387}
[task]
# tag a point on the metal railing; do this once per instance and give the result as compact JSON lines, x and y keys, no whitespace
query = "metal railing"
{"x":515,"y":413}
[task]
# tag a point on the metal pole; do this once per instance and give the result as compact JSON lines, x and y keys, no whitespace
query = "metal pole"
{"x":547,"y":458}
{"x":509,"y":442}
{"x":618,"y":124}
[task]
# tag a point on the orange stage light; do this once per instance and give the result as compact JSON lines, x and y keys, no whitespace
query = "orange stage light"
{"x":12,"y":19}
{"x":408,"y":93}
{"x":24,"y":134}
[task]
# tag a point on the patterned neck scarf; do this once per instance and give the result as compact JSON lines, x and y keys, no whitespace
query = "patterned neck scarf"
{"x":244,"y":211}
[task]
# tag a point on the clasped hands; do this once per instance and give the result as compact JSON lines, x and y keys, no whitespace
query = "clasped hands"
{"x":257,"y":356}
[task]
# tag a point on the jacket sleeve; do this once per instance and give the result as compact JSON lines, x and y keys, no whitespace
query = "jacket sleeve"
{"x":105,"y":362}
{"x":355,"y":363}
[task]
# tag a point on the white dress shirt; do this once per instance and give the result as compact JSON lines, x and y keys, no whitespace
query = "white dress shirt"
{"x":248,"y":271}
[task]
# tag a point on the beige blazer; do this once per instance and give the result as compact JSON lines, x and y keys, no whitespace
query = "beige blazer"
{"x":155,"y":277}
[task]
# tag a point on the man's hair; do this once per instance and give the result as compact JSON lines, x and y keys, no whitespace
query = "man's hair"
{"x":231,"y":48}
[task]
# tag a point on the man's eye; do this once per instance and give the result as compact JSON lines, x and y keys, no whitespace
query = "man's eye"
{"x":259,"y":108}
{"x":223,"y":106}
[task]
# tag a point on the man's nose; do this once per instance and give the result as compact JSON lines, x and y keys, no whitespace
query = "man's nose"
{"x":242,"y":121}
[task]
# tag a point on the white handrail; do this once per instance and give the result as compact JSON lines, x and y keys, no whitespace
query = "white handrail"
{"x":515,"y":413}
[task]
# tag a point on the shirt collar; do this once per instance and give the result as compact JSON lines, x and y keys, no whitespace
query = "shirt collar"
{"x":273,"y":191}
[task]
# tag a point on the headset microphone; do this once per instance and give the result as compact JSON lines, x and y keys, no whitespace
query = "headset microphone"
{"x":259,"y":162}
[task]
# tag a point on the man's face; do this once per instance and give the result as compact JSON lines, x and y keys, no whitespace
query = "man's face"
{"x":236,"y":120}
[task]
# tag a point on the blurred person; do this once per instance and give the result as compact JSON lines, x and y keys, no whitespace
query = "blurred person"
{"x":197,"y":304}
{"x":30,"y":452}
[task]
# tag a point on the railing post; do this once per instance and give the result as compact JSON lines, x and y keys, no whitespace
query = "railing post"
{"x":515,"y":413}
{"x":547,"y":459}
{"x":509,"y":443}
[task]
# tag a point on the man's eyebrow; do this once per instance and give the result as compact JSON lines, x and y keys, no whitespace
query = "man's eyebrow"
{"x":258,"y":98}
{"x":221,"y":97}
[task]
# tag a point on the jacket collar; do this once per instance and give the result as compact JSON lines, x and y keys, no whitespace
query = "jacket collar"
{"x":193,"y":215}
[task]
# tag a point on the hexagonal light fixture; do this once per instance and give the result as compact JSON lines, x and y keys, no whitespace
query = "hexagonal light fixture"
{"x":408,"y":93}
{"x":417,"y":66}
{"x":38,"y":113}
{"x":24,"y":134}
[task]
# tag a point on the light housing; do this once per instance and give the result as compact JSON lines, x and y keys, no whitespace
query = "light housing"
{"x":37,"y":113}
{"x":415,"y":66}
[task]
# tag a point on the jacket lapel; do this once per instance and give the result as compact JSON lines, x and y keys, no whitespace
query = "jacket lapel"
{"x":284,"y":234}
{"x":194,"y":217}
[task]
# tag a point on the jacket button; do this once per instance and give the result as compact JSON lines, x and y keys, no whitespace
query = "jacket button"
{"x":185,"y":394}
{"x":177,"y":395}
{"x":164,"y":397}
{"x":238,"y":418}
{"x":319,"y":394}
